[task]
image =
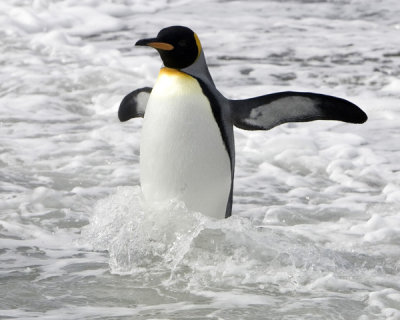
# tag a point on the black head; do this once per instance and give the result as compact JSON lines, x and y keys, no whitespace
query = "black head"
{"x":178,"y":46}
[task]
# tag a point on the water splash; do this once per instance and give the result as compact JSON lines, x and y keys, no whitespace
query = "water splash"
{"x":187,"y":250}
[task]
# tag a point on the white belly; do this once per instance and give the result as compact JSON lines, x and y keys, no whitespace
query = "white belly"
{"x":182,"y":154}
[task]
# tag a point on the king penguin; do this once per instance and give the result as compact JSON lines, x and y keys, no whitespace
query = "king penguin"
{"x":187,"y":149}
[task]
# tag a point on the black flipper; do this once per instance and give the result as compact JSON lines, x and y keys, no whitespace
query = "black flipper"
{"x":266,"y":112}
{"x":134,"y":104}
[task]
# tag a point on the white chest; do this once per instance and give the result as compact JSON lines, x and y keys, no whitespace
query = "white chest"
{"x":182,"y":154}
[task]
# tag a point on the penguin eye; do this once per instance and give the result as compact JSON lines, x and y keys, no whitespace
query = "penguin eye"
{"x":182,"y":43}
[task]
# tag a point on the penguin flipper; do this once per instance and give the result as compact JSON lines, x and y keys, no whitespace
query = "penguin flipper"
{"x":271,"y":110}
{"x":134,"y":104}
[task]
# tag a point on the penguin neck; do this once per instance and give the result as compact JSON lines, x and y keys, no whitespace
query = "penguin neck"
{"x":199,"y":69}
{"x":172,"y":72}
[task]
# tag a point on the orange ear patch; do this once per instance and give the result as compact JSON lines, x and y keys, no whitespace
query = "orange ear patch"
{"x":198,"y":44}
{"x":161,"y":46}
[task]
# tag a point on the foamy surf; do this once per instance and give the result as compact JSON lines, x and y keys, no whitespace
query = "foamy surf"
{"x":233,"y":262}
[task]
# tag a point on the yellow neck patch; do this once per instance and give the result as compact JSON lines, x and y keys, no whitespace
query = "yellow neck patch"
{"x":172,"y":72}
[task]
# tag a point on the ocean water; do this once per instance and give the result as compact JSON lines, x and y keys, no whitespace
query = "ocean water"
{"x":315,"y":231}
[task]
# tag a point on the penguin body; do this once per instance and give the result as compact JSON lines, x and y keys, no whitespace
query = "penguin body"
{"x":182,"y":153}
{"x":187,"y":150}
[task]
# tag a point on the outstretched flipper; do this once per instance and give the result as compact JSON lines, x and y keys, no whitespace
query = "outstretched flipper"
{"x":134,"y":104}
{"x":266,"y":112}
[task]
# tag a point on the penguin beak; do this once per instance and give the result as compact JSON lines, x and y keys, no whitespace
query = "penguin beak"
{"x":155,"y":43}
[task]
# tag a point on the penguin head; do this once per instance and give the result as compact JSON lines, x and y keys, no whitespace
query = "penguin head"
{"x":179,"y":47}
